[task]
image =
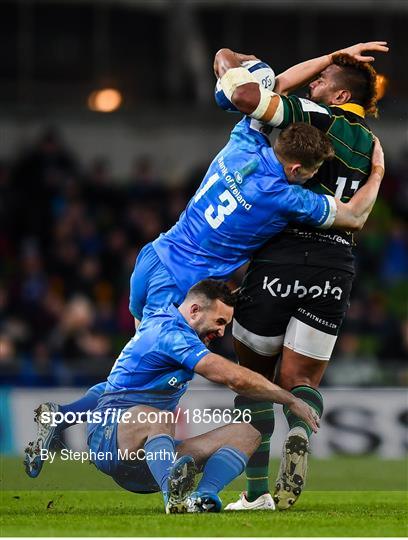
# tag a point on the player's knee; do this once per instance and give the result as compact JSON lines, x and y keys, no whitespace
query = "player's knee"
{"x":289,"y":379}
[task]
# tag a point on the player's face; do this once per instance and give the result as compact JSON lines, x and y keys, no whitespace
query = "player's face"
{"x":324,"y":88}
{"x":212,"y":321}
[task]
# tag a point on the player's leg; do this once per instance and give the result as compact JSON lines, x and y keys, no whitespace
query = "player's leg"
{"x":222,"y":454}
{"x":48,"y":431}
{"x":263,"y":419}
{"x":151,"y":286}
{"x":300,"y":375}
{"x":139,"y":453}
{"x":152,"y":430}
{"x":258,"y":331}
{"x":139,"y":282}
{"x":309,"y":341}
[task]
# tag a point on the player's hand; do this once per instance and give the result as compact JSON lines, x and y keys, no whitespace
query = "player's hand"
{"x":377,"y":158}
{"x":357,"y":51}
{"x":301,"y":409}
{"x":226,"y":59}
{"x":245,"y":57}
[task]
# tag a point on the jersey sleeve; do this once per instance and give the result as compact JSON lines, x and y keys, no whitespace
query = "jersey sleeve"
{"x":297,"y":109}
{"x":304,"y":206}
{"x":186,"y":349}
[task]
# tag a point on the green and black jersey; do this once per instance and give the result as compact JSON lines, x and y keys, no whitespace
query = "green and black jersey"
{"x":353,"y":142}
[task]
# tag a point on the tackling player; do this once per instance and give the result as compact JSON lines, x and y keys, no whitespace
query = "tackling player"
{"x":149,"y":377}
{"x":300,"y":281}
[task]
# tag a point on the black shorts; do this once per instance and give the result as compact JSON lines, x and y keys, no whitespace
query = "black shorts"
{"x":277,"y":297}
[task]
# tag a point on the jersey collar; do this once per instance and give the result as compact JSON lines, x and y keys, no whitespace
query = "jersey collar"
{"x":174,"y":310}
{"x":354,"y":108}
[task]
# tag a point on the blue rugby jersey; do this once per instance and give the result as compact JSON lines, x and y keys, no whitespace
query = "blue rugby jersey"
{"x":156,"y":364}
{"x":244,"y":199}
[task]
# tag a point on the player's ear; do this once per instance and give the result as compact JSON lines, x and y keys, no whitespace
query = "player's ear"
{"x":194,"y":310}
{"x":342,"y":97}
{"x":295,"y":169}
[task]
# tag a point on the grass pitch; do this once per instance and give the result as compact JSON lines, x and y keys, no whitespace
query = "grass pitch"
{"x":368,"y":499}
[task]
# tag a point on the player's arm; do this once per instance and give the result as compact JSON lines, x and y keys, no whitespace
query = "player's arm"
{"x":353,"y":214}
{"x":247,"y":383}
{"x":301,"y":74}
{"x":250,"y":98}
{"x":300,"y":205}
{"x":242,"y":89}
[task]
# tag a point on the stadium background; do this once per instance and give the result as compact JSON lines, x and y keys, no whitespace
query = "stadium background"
{"x":81,"y":191}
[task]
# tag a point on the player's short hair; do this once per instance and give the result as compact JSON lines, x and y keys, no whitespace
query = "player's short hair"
{"x":213,"y":289}
{"x":304,"y":144}
{"x":360,"y":78}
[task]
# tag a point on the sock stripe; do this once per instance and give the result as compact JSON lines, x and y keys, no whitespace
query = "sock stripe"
{"x":262,"y":411}
{"x":254,"y":406}
{"x":164,"y":435}
{"x":296,"y":389}
{"x":313,"y":398}
{"x":239,"y":455}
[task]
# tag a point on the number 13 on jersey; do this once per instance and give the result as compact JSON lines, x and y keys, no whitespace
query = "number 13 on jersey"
{"x":214,"y":216}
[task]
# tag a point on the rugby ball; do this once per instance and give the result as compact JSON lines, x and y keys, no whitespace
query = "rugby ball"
{"x":263,"y":73}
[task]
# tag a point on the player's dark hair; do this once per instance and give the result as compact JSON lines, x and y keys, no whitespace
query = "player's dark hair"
{"x":360,"y":78}
{"x":213,"y":289}
{"x":304,"y":144}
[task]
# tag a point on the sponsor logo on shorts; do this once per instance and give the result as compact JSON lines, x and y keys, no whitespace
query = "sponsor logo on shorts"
{"x":319,"y":320}
{"x":276,"y":288}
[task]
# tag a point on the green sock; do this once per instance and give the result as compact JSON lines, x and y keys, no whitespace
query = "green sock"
{"x":263,"y":419}
{"x":313,"y":397}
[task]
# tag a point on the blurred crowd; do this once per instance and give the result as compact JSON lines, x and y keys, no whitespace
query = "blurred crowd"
{"x":69,"y":237}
